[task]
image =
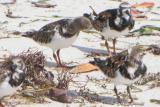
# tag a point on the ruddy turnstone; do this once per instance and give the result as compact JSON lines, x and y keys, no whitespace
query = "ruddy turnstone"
{"x":60,"y":34}
{"x":113,"y":23}
{"x":123,"y":69}
{"x":12,"y":78}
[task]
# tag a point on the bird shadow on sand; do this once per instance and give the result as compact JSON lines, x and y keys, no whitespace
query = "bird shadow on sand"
{"x":90,"y":50}
{"x":98,"y":98}
{"x":101,"y":99}
{"x":50,"y":64}
{"x":107,"y":99}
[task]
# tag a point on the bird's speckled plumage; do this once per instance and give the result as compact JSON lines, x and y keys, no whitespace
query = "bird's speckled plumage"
{"x":113,"y":23}
{"x":119,"y":18}
{"x":123,"y":69}
{"x":12,"y":78}
{"x":60,"y":34}
{"x":66,"y":28}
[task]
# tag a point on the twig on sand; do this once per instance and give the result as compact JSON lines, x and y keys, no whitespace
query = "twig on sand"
{"x":9,"y":14}
{"x":150,"y":77}
{"x":103,"y":45}
{"x":61,"y":92}
{"x":31,"y":21}
{"x":11,"y":2}
{"x":145,"y":34}
{"x":155,"y":101}
{"x":8,"y":37}
{"x":94,"y":12}
{"x":43,"y":5}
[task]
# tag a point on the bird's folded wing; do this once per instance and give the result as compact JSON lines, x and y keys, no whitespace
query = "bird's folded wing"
{"x":3,"y":74}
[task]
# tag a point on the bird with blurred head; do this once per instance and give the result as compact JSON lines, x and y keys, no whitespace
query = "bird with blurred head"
{"x":123,"y":69}
{"x":60,"y":34}
{"x":12,"y":78}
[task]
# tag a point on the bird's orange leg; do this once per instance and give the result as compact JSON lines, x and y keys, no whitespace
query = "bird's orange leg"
{"x":129,"y":93}
{"x":59,"y":60}
{"x":114,"y":45}
{"x":107,"y":46}
{"x":55,"y":58}
{"x":1,"y":105}
{"x":118,"y":97}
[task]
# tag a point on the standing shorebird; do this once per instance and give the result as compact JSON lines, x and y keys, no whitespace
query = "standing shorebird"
{"x":124,"y":69}
{"x":60,"y":34}
{"x":11,"y":79}
{"x":113,"y":23}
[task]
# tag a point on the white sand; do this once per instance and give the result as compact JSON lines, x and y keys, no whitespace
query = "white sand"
{"x":85,"y":44}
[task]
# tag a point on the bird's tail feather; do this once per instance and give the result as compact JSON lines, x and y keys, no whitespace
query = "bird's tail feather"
{"x":29,"y":34}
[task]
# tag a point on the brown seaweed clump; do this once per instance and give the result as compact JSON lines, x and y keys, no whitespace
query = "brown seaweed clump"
{"x":154,"y":78}
{"x":37,"y":76}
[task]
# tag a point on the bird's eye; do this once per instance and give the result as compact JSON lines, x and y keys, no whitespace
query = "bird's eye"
{"x":127,"y":11}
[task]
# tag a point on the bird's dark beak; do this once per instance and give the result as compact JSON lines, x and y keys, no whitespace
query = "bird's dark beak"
{"x":95,"y":61}
{"x":22,"y":76}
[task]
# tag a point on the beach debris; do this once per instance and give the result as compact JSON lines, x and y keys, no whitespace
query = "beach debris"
{"x":144,"y":5}
{"x":6,"y":2}
{"x":150,"y":77}
{"x":37,"y":76}
{"x":43,"y":5}
{"x":61,"y":92}
{"x":139,"y":10}
{"x":84,"y":68}
{"x":9,"y":14}
{"x":157,"y":101}
{"x":61,"y":95}
{"x":38,"y":80}
{"x":89,"y":96}
{"x":155,"y":49}
{"x":30,"y":21}
{"x":146,"y":30}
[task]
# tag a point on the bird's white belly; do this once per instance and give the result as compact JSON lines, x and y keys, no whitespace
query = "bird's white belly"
{"x":59,"y":42}
{"x":121,"y":80}
{"x":110,"y":34}
{"x":6,"y":89}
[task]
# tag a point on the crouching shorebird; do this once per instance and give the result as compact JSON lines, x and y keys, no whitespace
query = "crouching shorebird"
{"x":124,"y":69}
{"x":60,"y":34}
{"x":11,"y":79}
{"x":112,"y":23}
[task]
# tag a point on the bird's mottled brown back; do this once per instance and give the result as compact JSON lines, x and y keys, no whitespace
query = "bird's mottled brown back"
{"x":3,"y":74}
{"x":45,"y":34}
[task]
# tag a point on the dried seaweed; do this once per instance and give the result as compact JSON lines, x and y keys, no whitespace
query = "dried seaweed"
{"x":87,"y":95}
{"x":150,"y":77}
{"x":64,"y":79}
{"x":43,"y":5}
{"x":155,"y":49}
{"x":157,"y":101}
{"x":38,"y":80}
{"x":60,"y":93}
{"x":37,"y":75}
{"x":10,"y":2}
{"x":9,"y":14}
